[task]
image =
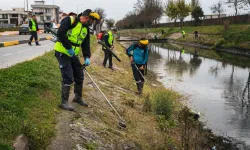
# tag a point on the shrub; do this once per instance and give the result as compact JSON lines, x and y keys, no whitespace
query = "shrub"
{"x":147,"y":106}
{"x":220,"y":42}
{"x":237,"y":36}
{"x":163,"y":104}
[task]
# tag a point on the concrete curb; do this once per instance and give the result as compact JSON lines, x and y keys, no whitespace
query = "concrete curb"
{"x":11,"y":43}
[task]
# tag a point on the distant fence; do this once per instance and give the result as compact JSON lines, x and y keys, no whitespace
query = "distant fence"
{"x":7,"y":25}
{"x":216,"y":21}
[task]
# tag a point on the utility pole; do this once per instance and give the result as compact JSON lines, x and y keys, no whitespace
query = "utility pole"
{"x":27,"y":6}
{"x":24,"y":5}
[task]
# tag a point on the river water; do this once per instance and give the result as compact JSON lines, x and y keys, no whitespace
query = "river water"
{"x":219,"y":91}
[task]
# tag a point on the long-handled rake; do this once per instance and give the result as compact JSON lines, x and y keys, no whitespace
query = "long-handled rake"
{"x":121,"y":122}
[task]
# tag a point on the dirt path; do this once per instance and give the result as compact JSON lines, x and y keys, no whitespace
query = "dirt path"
{"x":175,"y":36}
{"x":69,"y":131}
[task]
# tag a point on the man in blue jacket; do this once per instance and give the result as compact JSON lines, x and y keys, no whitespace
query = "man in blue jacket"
{"x":138,"y":54}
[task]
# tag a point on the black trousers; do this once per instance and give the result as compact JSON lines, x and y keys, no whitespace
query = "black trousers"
{"x":33,"y":35}
{"x":196,"y":36}
{"x":137,"y":76}
{"x":71,"y":70}
{"x":107,"y":56}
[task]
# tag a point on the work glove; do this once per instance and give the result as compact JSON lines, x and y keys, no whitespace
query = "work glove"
{"x":71,"y":52}
{"x":141,"y":68}
{"x":87,"y":61}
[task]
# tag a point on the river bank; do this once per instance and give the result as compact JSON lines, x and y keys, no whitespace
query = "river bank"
{"x":233,"y":40}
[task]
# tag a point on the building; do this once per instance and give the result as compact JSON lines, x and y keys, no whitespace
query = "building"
{"x":45,"y":12}
{"x":214,"y":16}
{"x":15,"y":16}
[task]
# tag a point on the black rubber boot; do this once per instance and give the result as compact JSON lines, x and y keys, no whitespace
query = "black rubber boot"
{"x":65,"y":97}
{"x":37,"y":44}
{"x":78,"y":95}
{"x":142,"y":84}
{"x":139,"y":88}
{"x":29,"y":43}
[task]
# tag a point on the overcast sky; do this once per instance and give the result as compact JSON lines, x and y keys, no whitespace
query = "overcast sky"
{"x":114,"y":8}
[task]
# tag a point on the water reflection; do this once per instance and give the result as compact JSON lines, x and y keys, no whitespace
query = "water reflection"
{"x":175,"y":62}
{"x":219,"y":90}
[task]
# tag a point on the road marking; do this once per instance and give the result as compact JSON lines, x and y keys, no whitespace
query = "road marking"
{"x":8,"y":54}
{"x":19,"y":51}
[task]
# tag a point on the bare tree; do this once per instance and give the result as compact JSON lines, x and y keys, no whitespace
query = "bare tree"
{"x":103,"y":15}
{"x":101,"y":12}
{"x":110,"y":23}
{"x":217,"y":8}
{"x":236,"y":4}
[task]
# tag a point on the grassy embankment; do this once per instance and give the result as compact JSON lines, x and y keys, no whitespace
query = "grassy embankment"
{"x":30,"y":93}
{"x":29,"y":96}
{"x":220,"y":56}
{"x":9,"y":29}
{"x":236,"y":36}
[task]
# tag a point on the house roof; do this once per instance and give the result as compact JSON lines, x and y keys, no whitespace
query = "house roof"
{"x":215,"y":15}
{"x":12,"y":12}
{"x":44,"y":6}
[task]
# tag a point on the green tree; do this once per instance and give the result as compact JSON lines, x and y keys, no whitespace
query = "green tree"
{"x":172,"y":10}
{"x":194,"y":3}
{"x":197,"y":13}
{"x":183,"y":10}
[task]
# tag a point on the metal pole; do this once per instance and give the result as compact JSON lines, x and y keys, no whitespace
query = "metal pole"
{"x":142,"y":76}
{"x":27,"y":6}
{"x":24,"y":5}
{"x":77,"y":7}
{"x":103,"y":95}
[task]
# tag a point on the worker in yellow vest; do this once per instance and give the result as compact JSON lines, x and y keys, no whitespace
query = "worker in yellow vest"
{"x":109,"y":40}
{"x":183,"y":33}
{"x":73,"y":36}
{"x":33,"y":30}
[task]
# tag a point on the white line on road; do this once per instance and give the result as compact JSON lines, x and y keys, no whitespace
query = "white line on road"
{"x":19,"y":51}
{"x":8,"y":54}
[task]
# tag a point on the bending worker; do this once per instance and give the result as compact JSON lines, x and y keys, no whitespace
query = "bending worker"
{"x":109,"y":40}
{"x":138,"y":54}
{"x":73,"y":35}
{"x":33,"y":30}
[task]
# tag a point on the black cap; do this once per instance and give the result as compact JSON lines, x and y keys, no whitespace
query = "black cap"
{"x":86,"y":12}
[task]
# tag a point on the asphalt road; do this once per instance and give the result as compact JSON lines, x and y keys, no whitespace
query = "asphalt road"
{"x":12,"y":55}
{"x":6,"y":38}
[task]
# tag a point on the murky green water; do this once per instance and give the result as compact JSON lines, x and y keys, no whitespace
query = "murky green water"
{"x":219,"y":91}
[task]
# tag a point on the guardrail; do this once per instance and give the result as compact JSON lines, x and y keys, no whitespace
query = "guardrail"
{"x":7,"y":25}
{"x":150,"y":40}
